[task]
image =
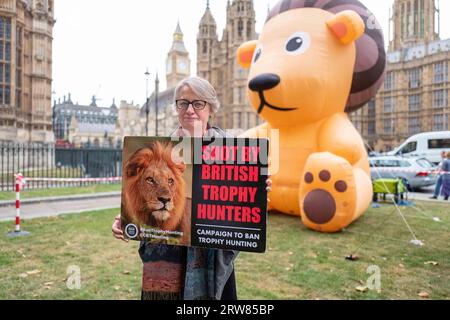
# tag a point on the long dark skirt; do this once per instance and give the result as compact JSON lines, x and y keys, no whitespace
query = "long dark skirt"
{"x":446,"y":185}
{"x":229,"y":291}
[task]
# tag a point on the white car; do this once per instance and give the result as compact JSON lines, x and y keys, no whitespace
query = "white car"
{"x":416,"y":172}
{"x":428,"y":145}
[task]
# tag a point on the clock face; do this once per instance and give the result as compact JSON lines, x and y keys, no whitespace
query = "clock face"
{"x":182,"y":66}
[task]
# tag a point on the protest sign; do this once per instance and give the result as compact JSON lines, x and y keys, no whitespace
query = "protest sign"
{"x":196,"y":192}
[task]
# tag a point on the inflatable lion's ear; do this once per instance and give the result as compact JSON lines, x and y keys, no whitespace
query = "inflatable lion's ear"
{"x":347,"y":26}
{"x":245,"y":53}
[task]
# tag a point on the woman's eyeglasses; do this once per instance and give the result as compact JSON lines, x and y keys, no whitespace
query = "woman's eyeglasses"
{"x":183,"y":104}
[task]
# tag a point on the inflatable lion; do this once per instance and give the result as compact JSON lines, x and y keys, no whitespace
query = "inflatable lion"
{"x":315,"y":61}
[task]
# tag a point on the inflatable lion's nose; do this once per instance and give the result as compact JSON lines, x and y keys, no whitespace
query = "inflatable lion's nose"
{"x":263,"y":82}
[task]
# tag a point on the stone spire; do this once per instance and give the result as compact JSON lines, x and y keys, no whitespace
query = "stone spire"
{"x":178,"y":43}
{"x":414,"y":23}
{"x":208,"y":19}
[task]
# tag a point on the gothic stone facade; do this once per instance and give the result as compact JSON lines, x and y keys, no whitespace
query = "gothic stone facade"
{"x":85,"y":125}
{"x":26,"y":28}
{"x":216,"y":62}
{"x":414,"y":97}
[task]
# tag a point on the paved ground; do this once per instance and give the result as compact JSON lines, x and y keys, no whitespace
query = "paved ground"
{"x":54,"y":208}
{"x":424,"y":194}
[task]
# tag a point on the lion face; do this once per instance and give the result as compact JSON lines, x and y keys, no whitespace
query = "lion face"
{"x":158,"y":186}
{"x":154,"y":188}
{"x":300,"y":71}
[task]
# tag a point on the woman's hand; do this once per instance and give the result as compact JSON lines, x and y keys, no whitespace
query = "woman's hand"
{"x":268,"y":184}
{"x":117,"y":229}
{"x":268,"y":187}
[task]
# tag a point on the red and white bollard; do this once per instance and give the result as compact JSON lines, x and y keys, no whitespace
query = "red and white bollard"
{"x":20,"y":182}
{"x":19,"y":179}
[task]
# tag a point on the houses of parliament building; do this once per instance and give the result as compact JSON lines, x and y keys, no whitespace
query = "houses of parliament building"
{"x":26,"y":36}
{"x":414,"y":96}
{"x":216,"y":62}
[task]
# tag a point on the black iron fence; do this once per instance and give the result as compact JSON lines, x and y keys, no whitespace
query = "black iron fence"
{"x":69,"y":165}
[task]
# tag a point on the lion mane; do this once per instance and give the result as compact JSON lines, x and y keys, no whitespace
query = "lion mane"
{"x":153,"y":178}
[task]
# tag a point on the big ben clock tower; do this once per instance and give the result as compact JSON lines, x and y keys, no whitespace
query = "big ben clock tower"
{"x":178,"y":64}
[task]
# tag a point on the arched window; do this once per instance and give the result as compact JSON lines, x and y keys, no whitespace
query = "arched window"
{"x":240,"y":27}
{"x":403,"y":14}
{"x":410,"y":28}
{"x":5,"y":60}
{"x":422,"y":18}
{"x":249,"y":29}
{"x":416,"y":17}
{"x":19,"y":66}
{"x":205,"y":47}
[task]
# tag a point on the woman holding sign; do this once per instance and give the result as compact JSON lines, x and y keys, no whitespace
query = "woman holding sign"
{"x":175,"y":272}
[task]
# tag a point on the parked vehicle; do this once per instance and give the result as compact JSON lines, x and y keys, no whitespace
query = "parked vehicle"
{"x":428,"y":145}
{"x":416,"y":172}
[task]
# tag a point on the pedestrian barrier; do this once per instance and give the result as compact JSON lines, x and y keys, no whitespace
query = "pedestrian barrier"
{"x":20,"y":182}
{"x":419,"y":172}
{"x":110,"y":179}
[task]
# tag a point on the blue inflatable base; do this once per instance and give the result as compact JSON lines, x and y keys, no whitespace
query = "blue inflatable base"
{"x":406,"y":203}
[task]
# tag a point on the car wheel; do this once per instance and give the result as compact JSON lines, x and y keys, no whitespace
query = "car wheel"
{"x":409,"y":188}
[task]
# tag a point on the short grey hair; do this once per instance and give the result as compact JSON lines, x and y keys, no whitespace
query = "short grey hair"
{"x":201,"y":88}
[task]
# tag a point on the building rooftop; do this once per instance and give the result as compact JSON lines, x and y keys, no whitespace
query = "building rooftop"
{"x":69,"y":106}
{"x":178,"y":44}
{"x":96,"y":128}
{"x":208,"y":18}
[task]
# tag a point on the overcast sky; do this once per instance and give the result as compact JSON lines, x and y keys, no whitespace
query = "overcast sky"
{"x":103,"y":47}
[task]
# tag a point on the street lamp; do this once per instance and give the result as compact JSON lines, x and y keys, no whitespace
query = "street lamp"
{"x":147,"y":110}
{"x":156,"y":103}
{"x":54,"y":126}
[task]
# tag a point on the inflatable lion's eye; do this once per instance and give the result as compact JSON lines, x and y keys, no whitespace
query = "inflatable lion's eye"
{"x":258,"y":53}
{"x":298,"y":43}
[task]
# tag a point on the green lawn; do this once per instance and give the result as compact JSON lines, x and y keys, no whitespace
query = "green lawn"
{"x":53,"y":192}
{"x":299,"y":264}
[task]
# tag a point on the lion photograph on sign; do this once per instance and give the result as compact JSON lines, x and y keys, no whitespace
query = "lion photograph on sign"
{"x":154,"y":194}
